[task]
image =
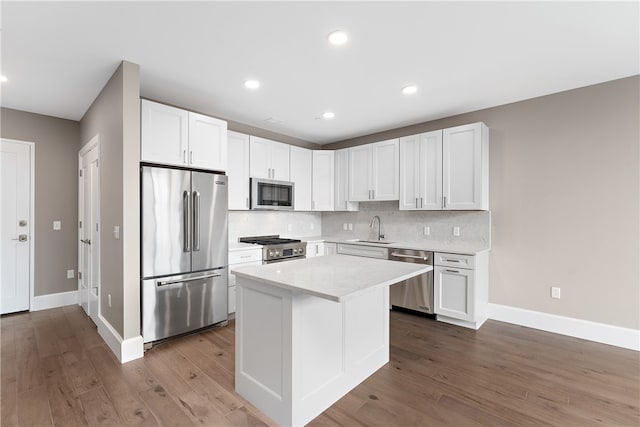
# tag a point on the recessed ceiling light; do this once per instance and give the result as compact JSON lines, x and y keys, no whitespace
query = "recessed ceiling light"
{"x":252,"y":84}
{"x":338,"y":37}
{"x":3,"y":79}
{"x":328,"y":115}
{"x":408,"y":90}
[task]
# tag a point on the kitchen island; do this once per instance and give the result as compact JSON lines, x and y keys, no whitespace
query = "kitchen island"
{"x":310,"y":330}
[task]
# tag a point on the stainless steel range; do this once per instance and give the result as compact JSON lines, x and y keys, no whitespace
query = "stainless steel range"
{"x":277,"y":249}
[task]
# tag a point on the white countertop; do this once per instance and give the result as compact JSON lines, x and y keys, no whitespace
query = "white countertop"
{"x":333,"y":277}
{"x":464,"y":248}
{"x":241,"y":246}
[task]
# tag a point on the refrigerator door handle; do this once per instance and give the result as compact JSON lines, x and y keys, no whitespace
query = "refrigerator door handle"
{"x":186,"y":218}
{"x":196,"y":220}
{"x":171,"y":282}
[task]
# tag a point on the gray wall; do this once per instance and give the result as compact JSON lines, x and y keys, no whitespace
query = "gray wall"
{"x":56,"y":194}
{"x":115,"y":117}
{"x":564,"y":197}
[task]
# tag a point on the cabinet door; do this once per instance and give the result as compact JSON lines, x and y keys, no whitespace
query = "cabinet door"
{"x":260,"y":158}
{"x":454,"y":293}
{"x":385,"y":170}
{"x":165,"y":134}
{"x":300,"y":171}
{"x":329,"y":248}
{"x":280,"y":161}
{"x":430,"y":171}
{"x":359,"y":173}
{"x":341,"y":177}
{"x":462,"y":167}
{"x":207,"y":142}
{"x":323,"y":180}
{"x":409,"y":173}
{"x":312,"y":249}
{"x":232,"y":285}
{"x":238,"y":170}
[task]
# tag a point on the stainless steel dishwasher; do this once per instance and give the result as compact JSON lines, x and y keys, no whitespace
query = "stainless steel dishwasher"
{"x":415,"y":294}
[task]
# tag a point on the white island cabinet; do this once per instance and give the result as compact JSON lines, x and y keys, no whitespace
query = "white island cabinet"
{"x":310,"y":330}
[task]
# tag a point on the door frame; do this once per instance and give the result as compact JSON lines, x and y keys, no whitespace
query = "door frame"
{"x":32,"y":215}
{"x":93,"y":143}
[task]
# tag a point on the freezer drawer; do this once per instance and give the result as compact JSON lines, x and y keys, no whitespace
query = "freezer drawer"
{"x":178,"y":304}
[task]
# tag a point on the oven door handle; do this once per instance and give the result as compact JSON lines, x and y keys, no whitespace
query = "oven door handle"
{"x":191,"y":279}
{"x":423,"y":258}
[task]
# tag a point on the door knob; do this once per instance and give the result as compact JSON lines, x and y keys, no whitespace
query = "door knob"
{"x":86,"y":241}
{"x":21,"y":238}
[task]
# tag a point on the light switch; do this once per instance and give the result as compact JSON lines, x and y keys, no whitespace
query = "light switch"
{"x":427,"y":230}
{"x":70,"y":274}
{"x":116,"y":232}
{"x":456,"y":231}
{"x":350,"y":227}
{"x":57,"y":225}
{"x":345,"y":227}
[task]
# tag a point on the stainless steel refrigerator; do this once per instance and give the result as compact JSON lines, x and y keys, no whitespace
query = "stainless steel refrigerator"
{"x":184,"y":251}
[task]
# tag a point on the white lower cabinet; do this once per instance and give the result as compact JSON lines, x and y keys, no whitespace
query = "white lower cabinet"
{"x":315,"y":249}
{"x":461,"y":294}
{"x":237,"y":258}
{"x":330,"y":248}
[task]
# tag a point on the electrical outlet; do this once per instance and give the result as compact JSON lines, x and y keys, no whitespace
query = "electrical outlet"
{"x":312,"y":226}
{"x":345,"y":227}
{"x":350,"y":227}
{"x":70,"y":274}
{"x":426,"y":230}
{"x":57,"y":225}
{"x":109,"y":300}
{"x":555,"y":292}
{"x":116,"y":232}
{"x":456,"y":231}
{"x":289,"y":227}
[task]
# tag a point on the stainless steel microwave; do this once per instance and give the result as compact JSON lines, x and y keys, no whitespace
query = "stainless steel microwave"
{"x":271,"y":195}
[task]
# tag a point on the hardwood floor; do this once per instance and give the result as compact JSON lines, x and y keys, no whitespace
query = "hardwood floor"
{"x":56,"y":370}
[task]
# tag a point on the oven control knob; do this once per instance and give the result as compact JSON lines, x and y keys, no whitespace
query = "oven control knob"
{"x":271,"y":253}
{"x":277,"y":253}
{"x":295,"y":251}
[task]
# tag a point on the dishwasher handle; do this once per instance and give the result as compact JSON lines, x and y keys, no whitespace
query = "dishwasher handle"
{"x":423,"y":258}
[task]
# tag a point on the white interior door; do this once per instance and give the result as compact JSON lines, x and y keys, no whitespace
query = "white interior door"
{"x":15,"y":193}
{"x":89,"y":233}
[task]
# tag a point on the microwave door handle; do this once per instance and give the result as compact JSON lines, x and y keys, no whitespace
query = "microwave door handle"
{"x":185,"y":221}
{"x":196,"y":220}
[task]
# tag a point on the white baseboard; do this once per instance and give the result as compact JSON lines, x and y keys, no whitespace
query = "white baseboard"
{"x":125,"y":350}
{"x":585,"y":329}
{"x":60,"y":299}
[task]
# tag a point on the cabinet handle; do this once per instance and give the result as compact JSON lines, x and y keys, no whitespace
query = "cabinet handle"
{"x":452,"y":260}
{"x":416,"y":203}
{"x":190,"y":157}
{"x":421,"y":202}
{"x":345,"y":205}
{"x":444,"y":202}
{"x":247,"y":202}
{"x":453,"y":271}
{"x":373,"y":194}
{"x":184,"y":156}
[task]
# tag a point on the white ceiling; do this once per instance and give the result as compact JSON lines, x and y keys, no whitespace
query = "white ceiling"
{"x":463,"y":57}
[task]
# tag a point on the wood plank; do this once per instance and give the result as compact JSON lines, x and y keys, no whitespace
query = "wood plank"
{"x":29,"y":373}
{"x":124,"y":399}
{"x":65,"y":407}
{"x":33,"y":408}
{"x":164,"y":407}
{"x":9,"y":403}
{"x":98,"y":409}
{"x":84,"y":376}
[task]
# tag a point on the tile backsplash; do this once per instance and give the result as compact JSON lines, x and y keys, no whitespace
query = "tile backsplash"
{"x":408,"y":226}
{"x":262,"y":223}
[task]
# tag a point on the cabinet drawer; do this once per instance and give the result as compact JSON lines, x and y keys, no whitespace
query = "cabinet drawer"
{"x":365,"y":251}
{"x":237,"y":257}
{"x":455,"y":260}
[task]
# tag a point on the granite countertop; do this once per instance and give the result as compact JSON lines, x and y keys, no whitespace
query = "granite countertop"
{"x":332,"y":277}
{"x":464,"y":248}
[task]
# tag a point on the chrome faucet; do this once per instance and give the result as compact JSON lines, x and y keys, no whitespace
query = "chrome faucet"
{"x":373,"y":221}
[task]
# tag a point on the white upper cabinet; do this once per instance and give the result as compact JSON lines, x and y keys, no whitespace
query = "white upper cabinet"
{"x":465,"y":167}
{"x":300,"y":174}
{"x":421,"y":171}
{"x":165,"y":134}
{"x":323,"y":180}
{"x":238,"y":170}
{"x":269,"y":159}
{"x":445,"y":169}
{"x":374,"y":171}
{"x":207,"y":142}
{"x":178,"y":137}
{"x":341,"y":166}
